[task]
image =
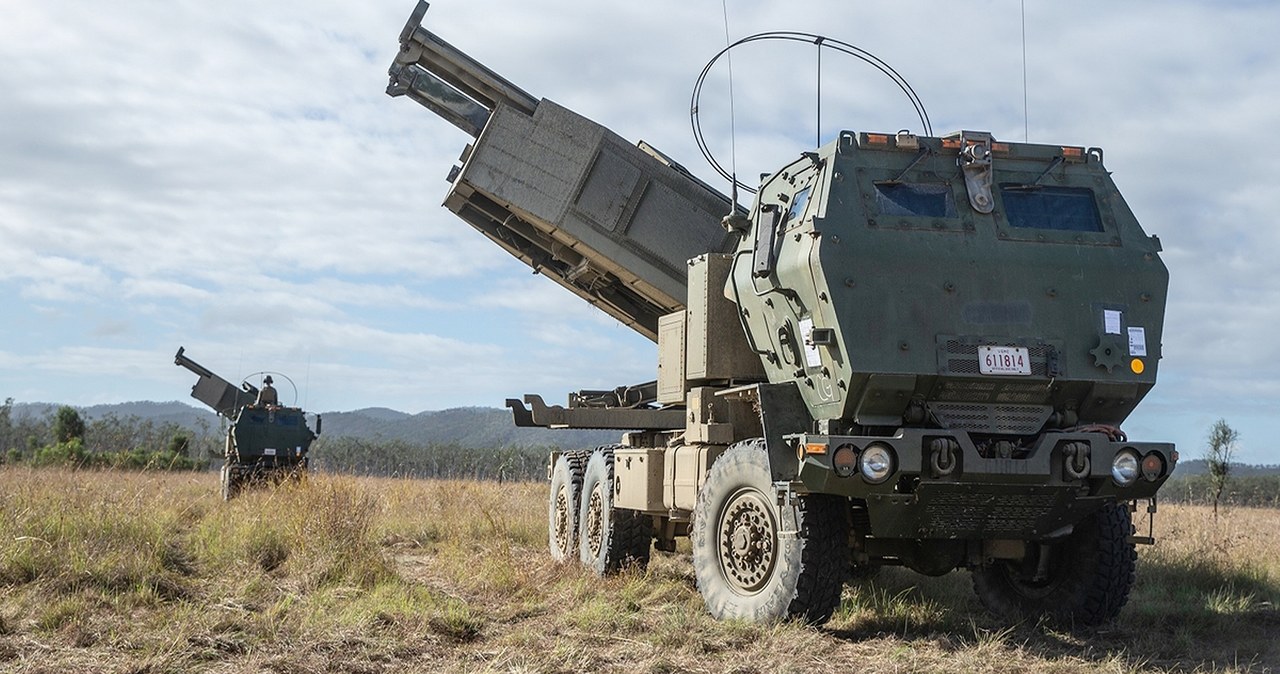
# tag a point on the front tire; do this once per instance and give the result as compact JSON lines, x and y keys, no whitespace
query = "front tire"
{"x":760,"y":562}
{"x":611,"y":538}
{"x":1086,"y":580}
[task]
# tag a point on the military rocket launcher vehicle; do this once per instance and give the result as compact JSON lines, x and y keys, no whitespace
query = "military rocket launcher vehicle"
{"x":912,"y":350}
{"x":266,"y":442}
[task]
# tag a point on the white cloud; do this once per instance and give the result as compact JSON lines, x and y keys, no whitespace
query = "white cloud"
{"x":534,"y":294}
{"x":60,"y":279}
{"x":158,"y":288}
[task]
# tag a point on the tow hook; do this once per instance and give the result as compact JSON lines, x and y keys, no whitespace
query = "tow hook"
{"x":1075,"y":460}
{"x":942,"y":456}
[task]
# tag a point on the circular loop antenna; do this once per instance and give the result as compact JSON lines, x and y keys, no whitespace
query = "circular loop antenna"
{"x":278,"y":375}
{"x":821,"y":42}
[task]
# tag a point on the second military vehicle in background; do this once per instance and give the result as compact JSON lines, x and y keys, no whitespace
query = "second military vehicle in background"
{"x":266,"y":442}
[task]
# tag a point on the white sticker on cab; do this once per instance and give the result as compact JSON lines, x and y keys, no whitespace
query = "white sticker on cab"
{"x":1111,"y":321}
{"x":1137,"y":341}
{"x":811,"y":356}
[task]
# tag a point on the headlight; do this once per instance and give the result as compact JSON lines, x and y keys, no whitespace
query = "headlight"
{"x":1124,"y":468}
{"x":876,"y":463}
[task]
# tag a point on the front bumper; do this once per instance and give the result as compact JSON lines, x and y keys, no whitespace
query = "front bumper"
{"x":967,"y":495}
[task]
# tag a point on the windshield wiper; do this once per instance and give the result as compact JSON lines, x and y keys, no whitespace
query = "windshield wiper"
{"x":1035,"y":184}
{"x":924,"y":152}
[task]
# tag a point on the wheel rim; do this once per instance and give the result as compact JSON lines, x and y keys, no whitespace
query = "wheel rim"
{"x":747,"y":541}
{"x":595,"y":523}
{"x":560,"y":522}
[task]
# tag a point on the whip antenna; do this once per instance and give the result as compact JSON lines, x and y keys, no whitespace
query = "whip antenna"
{"x":818,"y":131}
{"x":733,"y":130}
{"x":787,"y":36}
{"x":1026,"y":124}
{"x":306,"y":384}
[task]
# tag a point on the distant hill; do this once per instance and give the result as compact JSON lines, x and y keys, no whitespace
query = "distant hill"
{"x":175,"y":412}
{"x":466,"y":426}
{"x":379,"y":413}
{"x":1200,"y":467}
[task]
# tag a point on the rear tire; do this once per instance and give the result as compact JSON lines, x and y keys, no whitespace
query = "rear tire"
{"x":610,"y":538}
{"x":563,"y":506}
{"x":1089,"y":575}
{"x":745,"y":567}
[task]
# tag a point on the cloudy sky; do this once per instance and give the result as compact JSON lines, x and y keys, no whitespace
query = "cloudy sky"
{"x":230,"y":177}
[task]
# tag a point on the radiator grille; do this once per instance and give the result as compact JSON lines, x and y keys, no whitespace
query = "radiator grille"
{"x":987,"y":513}
{"x":977,"y":418}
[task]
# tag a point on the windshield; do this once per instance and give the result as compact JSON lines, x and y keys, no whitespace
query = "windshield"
{"x":1070,"y":209}
{"x":925,"y":200}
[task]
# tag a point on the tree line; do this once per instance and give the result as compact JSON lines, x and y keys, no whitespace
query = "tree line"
{"x":1243,"y":490}
{"x":62,"y":437}
{"x":451,"y":461}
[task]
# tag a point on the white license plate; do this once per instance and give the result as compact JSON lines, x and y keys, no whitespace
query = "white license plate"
{"x":269,"y":451}
{"x":1004,"y":360}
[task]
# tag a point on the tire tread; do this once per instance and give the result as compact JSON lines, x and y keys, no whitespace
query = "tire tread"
{"x":628,"y":536}
{"x":821,"y":557}
{"x":1102,"y":571}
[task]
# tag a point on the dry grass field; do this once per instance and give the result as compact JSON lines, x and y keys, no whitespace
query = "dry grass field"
{"x":130,"y":572}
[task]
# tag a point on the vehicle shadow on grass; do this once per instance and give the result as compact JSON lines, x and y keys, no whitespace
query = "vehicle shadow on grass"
{"x":1177,"y":619}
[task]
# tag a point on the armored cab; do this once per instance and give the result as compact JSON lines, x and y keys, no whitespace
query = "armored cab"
{"x":993,"y":322}
{"x":912,"y":350}
{"x":266,"y":442}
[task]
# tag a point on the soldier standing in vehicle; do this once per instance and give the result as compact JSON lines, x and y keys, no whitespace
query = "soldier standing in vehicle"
{"x":267,"y":394}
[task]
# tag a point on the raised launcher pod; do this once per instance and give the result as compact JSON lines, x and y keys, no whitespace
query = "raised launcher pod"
{"x":214,"y":391}
{"x":611,"y":221}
